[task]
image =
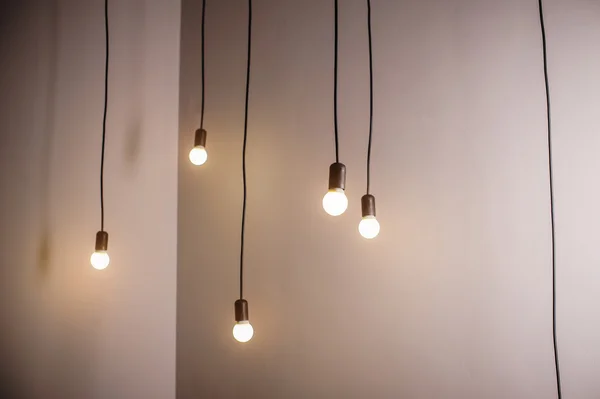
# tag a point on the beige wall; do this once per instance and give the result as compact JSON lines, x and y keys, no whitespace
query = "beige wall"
{"x":69,"y":331}
{"x":453,"y":299}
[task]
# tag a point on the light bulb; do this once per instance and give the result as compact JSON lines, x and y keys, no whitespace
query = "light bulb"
{"x":243,"y":331}
{"x":368,"y":227}
{"x":198,"y":155}
{"x":335,"y":202}
{"x":100,"y":260}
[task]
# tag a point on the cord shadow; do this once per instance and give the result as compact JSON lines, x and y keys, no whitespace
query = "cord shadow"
{"x":47,"y":54}
{"x":136,"y":71}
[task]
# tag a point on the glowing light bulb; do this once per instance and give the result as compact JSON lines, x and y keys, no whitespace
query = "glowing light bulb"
{"x":369,"y":227}
{"x":335,"y":202}
{"x":100,"y":260}
{"x":198,"y":155}
{"x":243,"y":331}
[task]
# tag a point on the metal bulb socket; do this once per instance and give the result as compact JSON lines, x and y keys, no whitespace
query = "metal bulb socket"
{"x":337,"y":176}
{"x":200,"y":138}
{"x":367,"y":203}
{"x":101,"y":241}
{"x":241,"y":310}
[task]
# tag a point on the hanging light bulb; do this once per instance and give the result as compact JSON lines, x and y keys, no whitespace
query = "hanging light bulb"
{"x":335,"y":201}
{"x":100,"y":258}
{"x":198,"y":154}
{"x":242,"y":331}
{"x":368,"y":226}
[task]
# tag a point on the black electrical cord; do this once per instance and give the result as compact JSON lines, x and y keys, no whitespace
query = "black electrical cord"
{"x":104,"y":118}
{"x":335,"y":84}
{"x":551,"y":182}
{"x":202,"y":50}
{"x":370,"y":97}
{"x":244,"y":149}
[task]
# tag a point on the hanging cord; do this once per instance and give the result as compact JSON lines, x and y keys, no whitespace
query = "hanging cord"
{"x":244,"y":149}
{"x":370,"y":97}
{"x":104,"y":119}
{"x":202,"y":50}
{"x":551,"y":181}
{"x":335,"y":79}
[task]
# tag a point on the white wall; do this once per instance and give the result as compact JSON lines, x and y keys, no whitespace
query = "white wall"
{"x":69,"y":331}
{"x":575,"y":62}
{"x":453,"y":299}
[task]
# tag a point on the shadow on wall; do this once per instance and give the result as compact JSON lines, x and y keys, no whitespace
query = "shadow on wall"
{"x":136,"y":81}
{"x":52,"y":44}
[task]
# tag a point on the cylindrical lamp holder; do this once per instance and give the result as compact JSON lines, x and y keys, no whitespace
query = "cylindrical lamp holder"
{"x":367,"y":203}
{"x":200,"y":138}
{"x":101,"y":241}
{"x":337,"y":176}
{"x":241,"y":310}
